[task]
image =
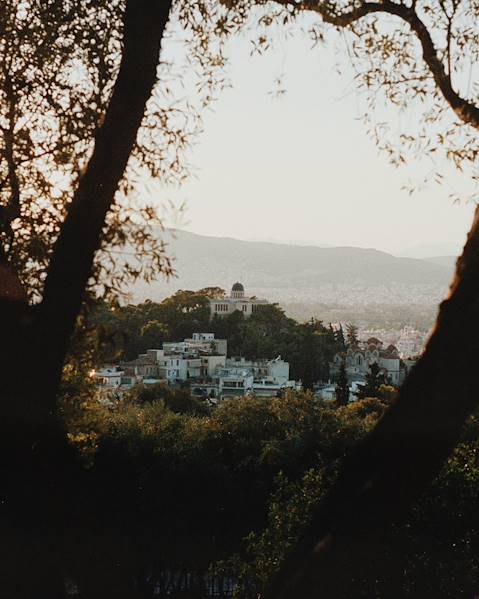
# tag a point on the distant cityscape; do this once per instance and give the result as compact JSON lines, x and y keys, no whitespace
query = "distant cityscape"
{"x":202,"y":364}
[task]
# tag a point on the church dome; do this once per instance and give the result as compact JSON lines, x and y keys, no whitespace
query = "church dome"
{"x":237,"y":291}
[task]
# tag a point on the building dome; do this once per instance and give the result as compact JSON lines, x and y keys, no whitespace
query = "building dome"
{"x":237,"y":291}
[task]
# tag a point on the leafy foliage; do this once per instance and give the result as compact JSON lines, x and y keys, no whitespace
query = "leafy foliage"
{"x":255,"y":469}
{"x":178,"y":400}
{"x":62,"y":59}
{"x":126,"y":331}
{"x":432,"y":551}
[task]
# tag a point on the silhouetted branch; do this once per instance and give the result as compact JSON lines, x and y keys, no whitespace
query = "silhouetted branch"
{"x":465,"y":110}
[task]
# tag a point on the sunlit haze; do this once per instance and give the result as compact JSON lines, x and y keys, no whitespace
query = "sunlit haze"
{"x":301,"y":168}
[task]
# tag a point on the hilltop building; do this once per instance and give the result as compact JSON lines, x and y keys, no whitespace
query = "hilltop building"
{"x":180,"y":360}
{"x":109,"y":376}
{"x":201,"y":342}
{"x":176,"y":362}
{"x":411,"y":342}
{"x":237,"y":300}
{"x":113,"y":382}
{"x":264,"y":378}
{"x":201,"y":363}
{"x":360,"y":357}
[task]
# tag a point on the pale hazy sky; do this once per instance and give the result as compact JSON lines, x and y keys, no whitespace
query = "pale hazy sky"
{"x":301,"y":167}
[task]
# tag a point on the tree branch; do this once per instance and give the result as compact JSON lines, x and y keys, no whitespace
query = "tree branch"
{"x":14,"y":204}
{"x":465,"y":110}
{"x":11,"y":211}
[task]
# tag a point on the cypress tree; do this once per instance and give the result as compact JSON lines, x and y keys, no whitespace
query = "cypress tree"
{"x":342,"y":387}
{"x":374,"y":379}
{"x":352,"y":335}
{"x":339,"y":338}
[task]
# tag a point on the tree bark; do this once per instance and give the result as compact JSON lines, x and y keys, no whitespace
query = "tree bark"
{"x":336,"y":15}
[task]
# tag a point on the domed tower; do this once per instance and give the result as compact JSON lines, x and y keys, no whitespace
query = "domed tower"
{"x":237,"y":291}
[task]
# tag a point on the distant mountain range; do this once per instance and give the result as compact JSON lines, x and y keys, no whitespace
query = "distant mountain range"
{"x":286,"y":273}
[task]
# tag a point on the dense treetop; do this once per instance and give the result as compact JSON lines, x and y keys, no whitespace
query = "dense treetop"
{"x":257,"y":467}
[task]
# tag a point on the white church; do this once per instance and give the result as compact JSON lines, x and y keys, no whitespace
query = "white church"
{"x":237,"y":300}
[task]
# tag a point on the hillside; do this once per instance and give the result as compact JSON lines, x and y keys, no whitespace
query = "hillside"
{"x":448,"y":261}
{"x":344,"y":276}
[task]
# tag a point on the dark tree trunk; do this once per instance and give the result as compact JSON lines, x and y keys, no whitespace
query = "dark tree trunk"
{"x":38,"y":473}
